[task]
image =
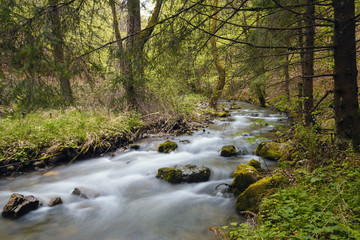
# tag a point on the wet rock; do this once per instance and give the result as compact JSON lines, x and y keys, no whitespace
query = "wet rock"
{"x":187,"y":174}
{"x":272,"y":150}
{"x":185,"y":141}
{"x":85,"y":193}
{"x":250,"y":199}
{"x":134,"y":146}
{"x":55,"y":201}
{"x":223,"y":114}
{"x":18,"y":205}
{"x":170,"y":175}
{"x":228,"y":151}
{"x":255,"y":164}
{"x":195,"y":174}
{"x":167,"y":147}
{"x":244,"y":176}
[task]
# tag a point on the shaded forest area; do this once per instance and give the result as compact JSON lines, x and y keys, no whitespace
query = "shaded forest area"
{"x":79,"y":74}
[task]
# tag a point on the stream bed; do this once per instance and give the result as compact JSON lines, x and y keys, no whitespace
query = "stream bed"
{"x":134,"y":204}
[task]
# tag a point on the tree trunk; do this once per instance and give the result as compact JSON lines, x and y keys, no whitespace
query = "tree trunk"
{"x":302,"y":60}
{"x":58,"y":52}
{"x":345,"y":79}
{"x":287,"y":77}
{"x":219,"y":66}
{"x":309,"y":62}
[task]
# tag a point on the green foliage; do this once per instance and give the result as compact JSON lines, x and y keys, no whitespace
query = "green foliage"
{"x":323,"y":204}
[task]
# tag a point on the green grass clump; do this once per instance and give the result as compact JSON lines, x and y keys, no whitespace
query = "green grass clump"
{"x":323,"y":204}
{"x":25,"y":137}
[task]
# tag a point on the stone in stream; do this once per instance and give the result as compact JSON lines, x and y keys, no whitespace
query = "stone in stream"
{"x":187,"y":174}
{"x":255,"y":164}
{"x":134,"y":146}
{"x":273,"y":150}
{"x":244,"y":176}
{"x":250,"y":199}
{"x":228,"y":151}
{"x":55,"y":201}
{"x":18,"y":205}
{"x":167,"y":147}
{"x":85,"y":193}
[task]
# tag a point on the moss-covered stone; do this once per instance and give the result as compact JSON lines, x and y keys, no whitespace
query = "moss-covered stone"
{"x":244,"y":176}
{"x":255,"y":164}
{"x":191,"y":174}
{"x":170,"y":175}
{"x":167,"y":147}
{"x":250,"y":199}
{"x":228,"y":151}
{"x":272,"y":150}
{"x":223,"y":114}
{"x":188,"y":174}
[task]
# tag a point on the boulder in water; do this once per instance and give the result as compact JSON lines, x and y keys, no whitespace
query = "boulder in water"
{"x":255,"y":164}
{"x":167,"y":147}
{"x":134,"y":146}
{"x":250,"y":199}
{"x":18,"y":205}
{"x":55,"y":201}
{"x":170,"y":175}
{"x":188,"y":174}
{"x":228,"y":151}
{"x":85,"y":193}
{"x":244,"y":176}
{"x":272,"y":150}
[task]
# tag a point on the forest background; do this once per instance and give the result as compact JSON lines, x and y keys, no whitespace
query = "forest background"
{"x":77,"y":75}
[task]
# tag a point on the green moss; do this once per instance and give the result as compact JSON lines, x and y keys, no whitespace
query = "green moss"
{"x":250,"y":199}
{"x":272,"y":150}
{"x":167,"y":147}
{"x":170,"y":175}
{"x":255,"y":164}
{"x":223,"y":114}
{"x":228,"y":151}
{"x":244,"y":176}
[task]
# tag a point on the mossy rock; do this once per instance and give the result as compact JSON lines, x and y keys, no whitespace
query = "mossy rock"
{"x":167,"y":147}
{"x":244,"y":176}
{"x":255,"y":164}
{"x":170,"y":175}
{"x":250,"y":199}
{"x":188,"y":174}
{"x":272,"y":150}
{"x":134,"y":146}
{"x":194,"y":174}
{"x":223,"y":114}
{"x":228,"y":151}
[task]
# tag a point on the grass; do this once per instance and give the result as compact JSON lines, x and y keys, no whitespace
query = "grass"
{"x":24,"y":137}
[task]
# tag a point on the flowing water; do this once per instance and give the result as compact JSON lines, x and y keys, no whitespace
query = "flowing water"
{"x":134,"y":204}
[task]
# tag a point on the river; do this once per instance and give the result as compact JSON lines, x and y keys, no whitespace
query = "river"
{"x":134,"y":204}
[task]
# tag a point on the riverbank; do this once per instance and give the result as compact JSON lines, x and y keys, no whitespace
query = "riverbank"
{"x":43,"y":139}
{"x":321,"y":200}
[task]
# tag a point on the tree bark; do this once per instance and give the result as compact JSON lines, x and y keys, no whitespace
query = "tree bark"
{"x":59,"y":53}
{"x":287,"y":77}
{"x":309,"y":62}
{"x":219,"y":66}
{"x":302,"y":60}
{"x":347,"y":118}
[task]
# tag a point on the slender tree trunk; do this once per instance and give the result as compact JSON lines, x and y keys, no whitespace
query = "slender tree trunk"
{"x":309,"y":62}
{"x":346,"y":103}
{"x":287,"y":77}
{"x":302,"y":60}
{"x":59,"y":55}
{"x":219,"y":66}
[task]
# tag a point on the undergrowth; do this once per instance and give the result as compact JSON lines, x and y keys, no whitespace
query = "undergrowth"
{"x":323,"y":201}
